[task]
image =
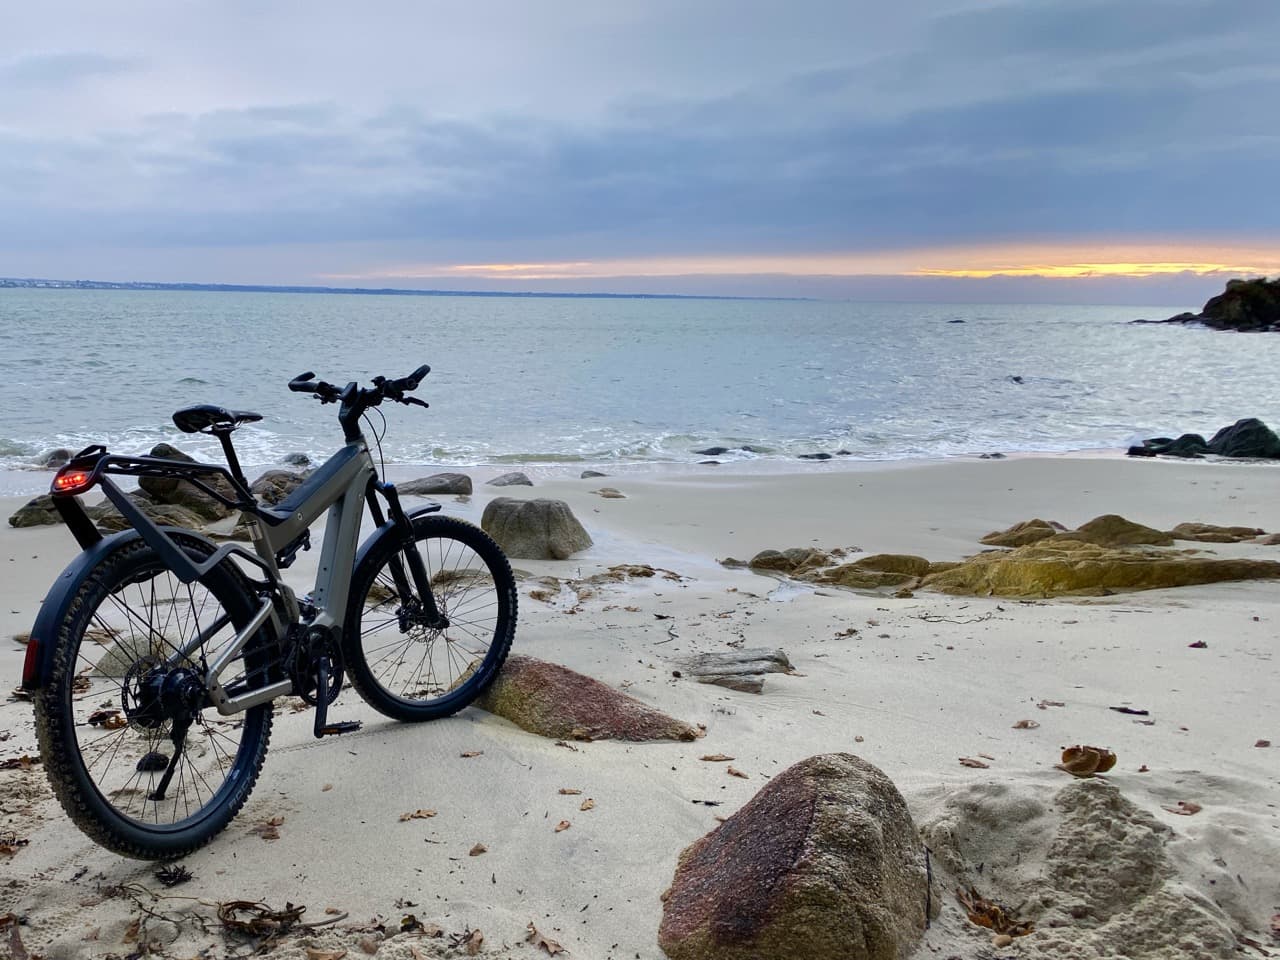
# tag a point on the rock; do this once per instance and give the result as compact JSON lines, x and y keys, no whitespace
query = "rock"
{"x":1246,"y":438}
{"x":274,"y":485}
{"x":1061,"y":566}
{"x":296,"y":459}
{"x":824,"y":862}
{"x":53,"y":459}
{"x":534,"y":529}
{"x":1190,"y":446}
{"x":1247,"y":306}
{"x":588,"y":474}
{"x":904,"y":563}
{"x":1020,"y":534}
{"x":735,"y":669}
{"x":793,"y":560}
{"x":554,"y":701}
{"x":1271,"y":540}
{"x":711,"y":452}
{"x":955,"y":321}
{"x":1111,"y":530}
{"x":708,"y":463}
{"x":857,"y":577}
{"x":1210,"y":533}
{"x":107,"y":517}
{"x":515,"y":479}
{"x":815,"y":456}
{"x":183,"y":493}
{"x":610,"y":493}
{"x":991,"y":456}
{"x":437,"y":483}
{"x":36,"y":513}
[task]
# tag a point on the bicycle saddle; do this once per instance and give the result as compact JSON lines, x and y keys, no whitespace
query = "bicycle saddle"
{"x":206,"y":416}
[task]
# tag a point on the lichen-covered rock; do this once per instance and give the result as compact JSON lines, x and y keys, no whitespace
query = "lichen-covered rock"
{"x":1211,"y":533}
{"x":458,"y":484}
{"x":183,"y":493}
{"x":274,"y":485}
{"x":556,"y":702}
{"x":858,"y":577}
{"x":1112,"y":530}
{"x":1056,"y":567}
{"x":823,"y":863}
{"x":903,"y":563}
{"x":38,"y":512}
{"x":514,"y":479}
{"x":107,"y":517}
{"x":534,"y":529}
{"x":1020,"y":534}
{"x":792,"y":560}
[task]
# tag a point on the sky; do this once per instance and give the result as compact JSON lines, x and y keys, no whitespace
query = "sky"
{"x":1123,"y":151}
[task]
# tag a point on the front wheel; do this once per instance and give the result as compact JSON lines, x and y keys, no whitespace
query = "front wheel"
{"x":403,"y":664}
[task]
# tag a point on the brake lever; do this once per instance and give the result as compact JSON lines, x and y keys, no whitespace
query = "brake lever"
{"x":415,"y":401}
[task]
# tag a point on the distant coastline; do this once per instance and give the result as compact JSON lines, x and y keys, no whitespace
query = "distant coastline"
{"x":43,"y":284}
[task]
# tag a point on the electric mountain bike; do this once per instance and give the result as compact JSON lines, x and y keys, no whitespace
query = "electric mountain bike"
{"x":156,"y":655}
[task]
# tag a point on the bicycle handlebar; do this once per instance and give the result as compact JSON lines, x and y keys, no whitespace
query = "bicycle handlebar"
{"x":354,"y":400}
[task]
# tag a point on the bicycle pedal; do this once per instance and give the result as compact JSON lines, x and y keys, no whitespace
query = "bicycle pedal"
{"x":333,"y":729}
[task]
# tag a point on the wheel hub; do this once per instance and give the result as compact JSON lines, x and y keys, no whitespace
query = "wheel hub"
{"x":153,"y":694}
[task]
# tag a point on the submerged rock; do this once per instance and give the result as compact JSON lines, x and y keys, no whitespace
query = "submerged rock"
{"x":824,"y":862}
{"x":556,"y":702}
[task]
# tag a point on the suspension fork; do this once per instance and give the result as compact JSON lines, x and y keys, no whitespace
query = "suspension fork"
{"x":421,"y":583}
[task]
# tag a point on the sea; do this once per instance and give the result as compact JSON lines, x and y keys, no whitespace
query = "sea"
{"x":559,"y":383}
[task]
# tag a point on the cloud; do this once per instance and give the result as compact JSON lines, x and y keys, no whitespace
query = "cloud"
{"x":44,"y":71}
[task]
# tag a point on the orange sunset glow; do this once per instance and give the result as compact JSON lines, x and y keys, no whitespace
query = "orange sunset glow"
{"x":1056,"y":261}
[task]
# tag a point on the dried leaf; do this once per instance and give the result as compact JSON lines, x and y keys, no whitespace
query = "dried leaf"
{"x":717,"y":757}
{"x":315,"y":953}
{"x":131,"y":931}
{"x":10,"y":842}
{"x":469,"y":940}
{"x":417,"y":815}
{"x":538,"y":940}
{"x":587,"y":804}
{"x":1185,"y":808}
{"x":1198,"y":645}
{"x":1085,"y":761}
{"x":1046,"y":704}
{"x":1025,"y":725}
{"x":735,"y":772}
{"x":971,"y":762}
{"x":326,"y":788}
{"x":478,"y":849}
{"x":17,"y":951}
{"x":24,"y":762}
{"x":1263,"y":743}
{"x":1131,"y":711}
{"x":567,"y":746}
{"x":989,"y":914}
{"x":562,"y":826}
{"x":569,"y":792}
{"x":267,"y":830}
{"x":471,"y":753}
{"x":1275,"y":926}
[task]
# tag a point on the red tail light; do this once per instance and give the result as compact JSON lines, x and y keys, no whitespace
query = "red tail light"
{"x":30,"y":666}
{"x":72,"y":481}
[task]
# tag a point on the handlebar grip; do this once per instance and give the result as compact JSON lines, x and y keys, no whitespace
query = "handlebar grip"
{"x":303,"y":383}
{"x":411,"y":382}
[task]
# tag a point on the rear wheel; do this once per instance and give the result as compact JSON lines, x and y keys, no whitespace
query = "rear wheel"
{"x":400,"y":663}
{"x":133,"y":750}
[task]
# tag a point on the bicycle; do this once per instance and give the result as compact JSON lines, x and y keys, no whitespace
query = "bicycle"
{"x":156,"y":655}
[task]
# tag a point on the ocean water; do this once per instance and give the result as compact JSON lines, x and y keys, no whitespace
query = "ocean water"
{"x":590,"y":381}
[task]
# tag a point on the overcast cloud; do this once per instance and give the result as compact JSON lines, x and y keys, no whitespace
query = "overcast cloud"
{"x":261,"y":142}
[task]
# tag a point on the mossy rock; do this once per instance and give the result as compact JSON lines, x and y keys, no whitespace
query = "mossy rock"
{"x":1020,"y":534}
{"x":1059,"y":567}
{"x":794,"y":560}
{"x":903,"y":563}
{"x":1112,"y":530}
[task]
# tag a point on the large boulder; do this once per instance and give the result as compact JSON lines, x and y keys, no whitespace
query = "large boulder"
{"x":36,"y":513}
{"x":458,"y":484}
{"x":554,"y":701}
{"x":822,"y":863}
{"x":53,"y":459}
{"x":1247,"y":306}
{"x":107,"y":517}
{"x":183,"y":493}
{"x":1246,"y":438}
{"x":791,"y":560}
{"x":534,"y":529}
{"x":1058,"y":567}
{"x":1112,"y":530}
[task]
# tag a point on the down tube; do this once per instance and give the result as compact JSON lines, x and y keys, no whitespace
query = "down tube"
{"x":337,"y":556}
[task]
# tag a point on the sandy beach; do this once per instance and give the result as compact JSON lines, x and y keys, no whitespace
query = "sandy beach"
{"x":909,"y":684}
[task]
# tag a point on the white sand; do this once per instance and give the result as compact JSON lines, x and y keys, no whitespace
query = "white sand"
{"x":925,"y":681}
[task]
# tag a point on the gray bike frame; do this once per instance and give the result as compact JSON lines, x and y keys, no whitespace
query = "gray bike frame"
{"x":342,"y":493}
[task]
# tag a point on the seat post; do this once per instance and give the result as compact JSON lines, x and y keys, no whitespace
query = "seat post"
{"x":233,"y":462}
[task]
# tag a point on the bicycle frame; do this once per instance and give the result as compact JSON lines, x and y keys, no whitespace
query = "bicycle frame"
{"x":343,"y":485}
